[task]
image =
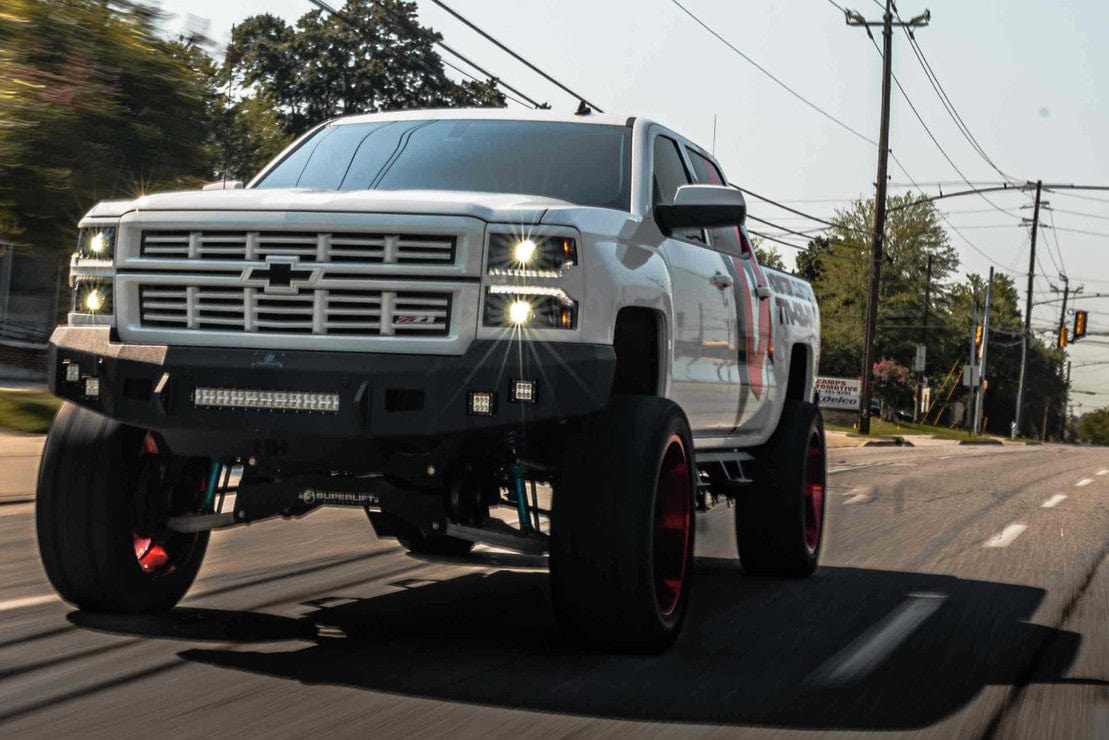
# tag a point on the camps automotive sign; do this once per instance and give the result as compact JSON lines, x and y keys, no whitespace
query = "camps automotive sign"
{"x":839,"y":393}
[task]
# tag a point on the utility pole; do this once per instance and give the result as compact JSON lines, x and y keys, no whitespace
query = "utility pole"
{"x":981,"y":391}
{"x":887,"y":23}
{"x":922,"y":352}
{"x":1028,"y":308}
{"x":972,"y":373}
{"x":1066,"y":403}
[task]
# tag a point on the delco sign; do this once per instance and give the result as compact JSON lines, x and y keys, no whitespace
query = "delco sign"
{"x":839,"y":393}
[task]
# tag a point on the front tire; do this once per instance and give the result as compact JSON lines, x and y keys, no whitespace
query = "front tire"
{"x":622,"y":527}
{"x":780,"y":516}
{"x":103,"y":486}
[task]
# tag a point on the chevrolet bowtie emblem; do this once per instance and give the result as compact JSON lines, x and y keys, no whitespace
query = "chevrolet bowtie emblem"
{"x":280,"y":275}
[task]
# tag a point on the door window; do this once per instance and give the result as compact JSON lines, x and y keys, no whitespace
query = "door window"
{"x":670,"y":174}
{"x":727,"y":239}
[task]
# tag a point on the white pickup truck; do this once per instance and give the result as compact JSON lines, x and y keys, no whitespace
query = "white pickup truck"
{"x":425,"y":314}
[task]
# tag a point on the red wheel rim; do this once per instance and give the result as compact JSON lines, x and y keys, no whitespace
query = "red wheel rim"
{"x":673,"y":524}
{"x":159,"y":554}
{"x":814,"y":491}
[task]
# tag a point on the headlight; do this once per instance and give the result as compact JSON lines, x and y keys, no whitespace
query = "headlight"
{"x":529,"y":307}
{"x":530,"y":256}
{"x":97,"y":243}
{"x":92,"y":297}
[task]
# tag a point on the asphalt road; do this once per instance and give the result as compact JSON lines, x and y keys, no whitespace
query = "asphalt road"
{"x":964,"y":592}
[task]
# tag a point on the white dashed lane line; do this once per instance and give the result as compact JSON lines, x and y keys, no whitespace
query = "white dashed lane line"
{"x":875,"y":645}
{"x":1006,"y":536}
{"x":1084,"y":482}
{"x":858,"y":498}
{"x":26,"y":603}
{"x":1103,"y":472}
{"x":1054,"y":501}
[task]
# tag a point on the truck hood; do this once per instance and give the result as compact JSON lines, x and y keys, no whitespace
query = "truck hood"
{"x":486,"y":206}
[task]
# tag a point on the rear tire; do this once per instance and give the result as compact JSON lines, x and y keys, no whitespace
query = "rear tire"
{"x":780,"y":516}
{"x":622,"y":527}
{"x":99,"y":550}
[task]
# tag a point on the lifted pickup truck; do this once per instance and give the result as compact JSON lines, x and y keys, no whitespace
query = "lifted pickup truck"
{"x":425,"y":314}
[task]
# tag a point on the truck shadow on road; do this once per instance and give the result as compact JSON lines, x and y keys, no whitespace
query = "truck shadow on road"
{"x":754,"y":651}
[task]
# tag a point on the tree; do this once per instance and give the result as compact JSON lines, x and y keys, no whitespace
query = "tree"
{"x":373,"y":56}
{"x":93,"y":105}
{"x":892,"y":385}
{"x":769,"y":257}
{"x":1093,"y":427}
{"x":840,"y":263}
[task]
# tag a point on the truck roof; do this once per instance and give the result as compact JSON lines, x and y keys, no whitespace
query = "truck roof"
{"x":495,"y":114}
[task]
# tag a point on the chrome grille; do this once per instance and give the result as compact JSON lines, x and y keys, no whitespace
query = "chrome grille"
{"x":321,"y":311}
{"x":309,"y":246}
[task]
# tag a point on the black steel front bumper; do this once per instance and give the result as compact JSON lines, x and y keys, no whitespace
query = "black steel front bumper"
{"x":381,"y":395}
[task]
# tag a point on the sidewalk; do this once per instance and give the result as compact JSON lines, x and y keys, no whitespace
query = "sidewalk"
{"x":19,"y":464}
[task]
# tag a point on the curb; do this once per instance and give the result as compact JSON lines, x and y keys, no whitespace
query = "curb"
{"x":888,"y":442}
{"x":981,"y":442}
{"x":16,"y":501}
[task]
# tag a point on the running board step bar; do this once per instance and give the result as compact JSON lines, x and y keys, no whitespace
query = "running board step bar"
{"x":725,"y":467}
{"x":496,"y":533}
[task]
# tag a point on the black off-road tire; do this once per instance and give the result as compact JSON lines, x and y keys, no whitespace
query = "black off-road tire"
{"x":780,"y":516}
{"x":85,"y":517}
{"x":622,"y":527}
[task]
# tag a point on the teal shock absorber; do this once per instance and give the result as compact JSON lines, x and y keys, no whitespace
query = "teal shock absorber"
{"x":210,"y":491}
{"x":516,"y":474}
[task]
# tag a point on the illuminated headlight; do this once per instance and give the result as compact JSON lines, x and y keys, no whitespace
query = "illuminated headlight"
{"x":240,"y":398}
{"x":529,"y":307}
{"x":96,"y":243}
{"x":530,"y":256}
{"x":93,"y":297}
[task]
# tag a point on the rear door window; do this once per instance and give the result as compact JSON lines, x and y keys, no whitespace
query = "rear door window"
{"x":725,"y":238}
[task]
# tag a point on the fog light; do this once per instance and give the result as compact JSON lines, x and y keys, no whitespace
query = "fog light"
{"x":519,"y":312}
{"x":522,"y":391}
{"x":92,"y":387}
{"x":72,"y":372}
{"x":482,"y":403}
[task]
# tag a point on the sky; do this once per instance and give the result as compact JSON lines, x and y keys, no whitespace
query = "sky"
{"x":1023,"y":75}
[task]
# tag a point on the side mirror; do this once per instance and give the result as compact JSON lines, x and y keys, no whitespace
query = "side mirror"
{"x":223,"y":185}
{"x":702,"y":206}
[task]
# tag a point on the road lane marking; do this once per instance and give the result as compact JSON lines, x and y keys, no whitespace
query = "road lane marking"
{"x":10,"y":604}
{"x":858,"y":498}
{"x":1054,"y":501}
{"x":1103,"y":472}
{"x":1084,"y":482}
{"x":876,"y":644}
{"x":1007,"y":535}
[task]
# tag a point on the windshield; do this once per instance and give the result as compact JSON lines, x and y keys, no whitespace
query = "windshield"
{"x":583,"y":163}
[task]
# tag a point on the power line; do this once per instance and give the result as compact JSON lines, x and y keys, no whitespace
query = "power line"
{"x":1084,"y":214}
{"x":801,"y":213}
{"x":516,"y":56}
{"x":771,"y":75}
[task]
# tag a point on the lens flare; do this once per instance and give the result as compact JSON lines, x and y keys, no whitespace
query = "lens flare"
{"x":519,"y":312}
{"x":524,"y":251}
{"x":94,"y":300}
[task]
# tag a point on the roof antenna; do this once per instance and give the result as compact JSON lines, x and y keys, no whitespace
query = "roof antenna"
{"x":583,"y":109}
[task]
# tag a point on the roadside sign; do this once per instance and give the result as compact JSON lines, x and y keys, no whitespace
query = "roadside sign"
{"x":919,"y":358}
{"x":839,"y":393}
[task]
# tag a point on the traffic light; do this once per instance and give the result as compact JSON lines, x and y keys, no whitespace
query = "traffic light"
{"x":1062,"y":337}
{"x":1079,"y":324}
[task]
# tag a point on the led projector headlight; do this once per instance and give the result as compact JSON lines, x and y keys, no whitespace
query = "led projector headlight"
{"x":240,"y":398}
{"x":92,"y":297}
{"x":96,"y":243}
{"x":516,"y":255}
{"x":529,"y":307}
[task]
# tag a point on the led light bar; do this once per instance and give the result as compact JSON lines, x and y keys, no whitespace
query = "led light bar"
{"x":240,"y":398}
{"x":558,"y":293}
